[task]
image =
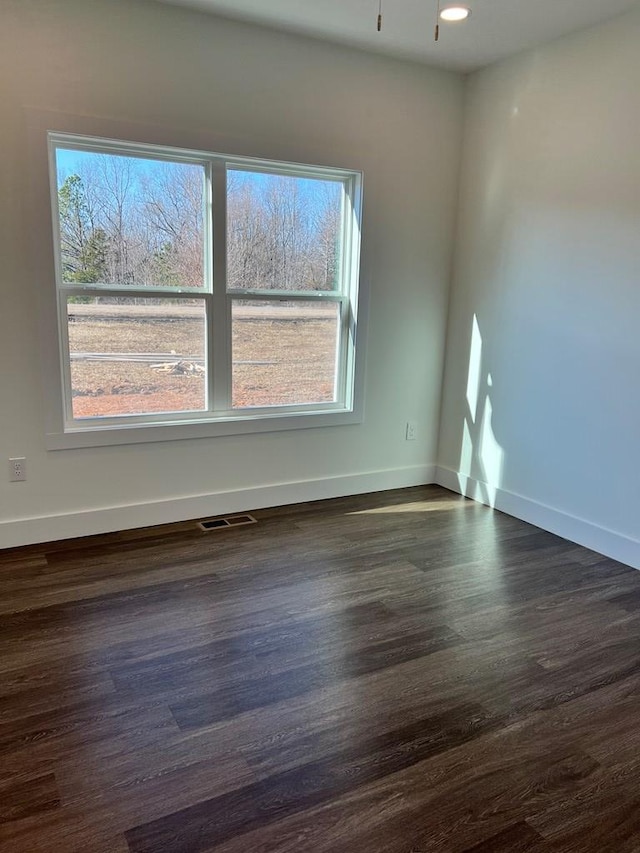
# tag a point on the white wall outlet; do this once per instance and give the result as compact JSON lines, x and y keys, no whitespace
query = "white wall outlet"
{"x":410,"y":433}
{"x":18,"y":469}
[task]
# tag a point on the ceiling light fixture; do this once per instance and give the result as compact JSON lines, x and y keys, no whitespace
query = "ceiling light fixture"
{"x":451,"y":12}
{"x":454,"y":12}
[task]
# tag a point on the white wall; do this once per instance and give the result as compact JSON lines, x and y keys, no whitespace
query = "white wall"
{"x":548,"y":264}
{"x":251,"y":91}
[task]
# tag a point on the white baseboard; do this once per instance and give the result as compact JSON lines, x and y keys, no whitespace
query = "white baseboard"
{"x":601,"y":539}
{"x":27,"y":531}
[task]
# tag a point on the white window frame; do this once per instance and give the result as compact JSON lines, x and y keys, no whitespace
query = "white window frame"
{"x":219,"y":419}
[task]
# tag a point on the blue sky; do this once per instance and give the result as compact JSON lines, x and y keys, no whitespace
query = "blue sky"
{"x":71,"y":161}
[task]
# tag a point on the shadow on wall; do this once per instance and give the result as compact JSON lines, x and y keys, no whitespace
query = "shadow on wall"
{"x":481,"y":456}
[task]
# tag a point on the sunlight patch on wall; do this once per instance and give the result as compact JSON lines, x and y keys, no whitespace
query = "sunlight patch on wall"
{"x":475,"y":364}
{"x":490,"y":453}
{"x":466,"y":451}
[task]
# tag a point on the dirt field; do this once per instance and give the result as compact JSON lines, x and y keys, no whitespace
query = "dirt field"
{"x":115,"y":358}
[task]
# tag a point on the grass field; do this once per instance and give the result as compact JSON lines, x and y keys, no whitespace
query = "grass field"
{"x":279,"y":357}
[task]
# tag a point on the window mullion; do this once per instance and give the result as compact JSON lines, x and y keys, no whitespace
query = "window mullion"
{"x":220,"y":328}
{"x":208,"y":281}
{"x":128,"y":293}
{"x":288,"y":295}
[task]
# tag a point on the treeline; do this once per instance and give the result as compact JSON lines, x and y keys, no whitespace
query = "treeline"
{"x":141,"y":223}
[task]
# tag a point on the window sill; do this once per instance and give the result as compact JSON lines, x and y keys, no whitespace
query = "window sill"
{"x":96,"y":436}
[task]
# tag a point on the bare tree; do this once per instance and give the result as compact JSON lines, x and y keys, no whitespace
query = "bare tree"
{"x":280,"y":237}
{"x":141,"y":222}
{"x":173,"y":201}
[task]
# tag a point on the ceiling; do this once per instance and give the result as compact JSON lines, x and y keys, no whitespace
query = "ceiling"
{"x":497,"y":28}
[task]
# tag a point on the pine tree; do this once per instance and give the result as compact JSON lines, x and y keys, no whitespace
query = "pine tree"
{"x":84,"y":247}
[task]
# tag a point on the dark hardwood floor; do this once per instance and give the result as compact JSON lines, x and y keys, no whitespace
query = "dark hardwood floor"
{"x":403,"y":672}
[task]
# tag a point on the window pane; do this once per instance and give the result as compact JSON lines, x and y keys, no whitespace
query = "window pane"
{"x":283,"y":232}
{"x":136,"y":356}
{"x":130,"y":220}
{"x":284,"y":353}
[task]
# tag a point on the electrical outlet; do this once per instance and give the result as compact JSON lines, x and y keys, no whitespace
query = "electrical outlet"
{"x":410,"y":433}
{"x":18,"y":469}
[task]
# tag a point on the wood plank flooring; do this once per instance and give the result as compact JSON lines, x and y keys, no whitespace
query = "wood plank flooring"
{"x":404,"y":672}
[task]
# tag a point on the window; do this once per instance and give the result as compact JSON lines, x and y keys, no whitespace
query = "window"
{"x":196,"y":288}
